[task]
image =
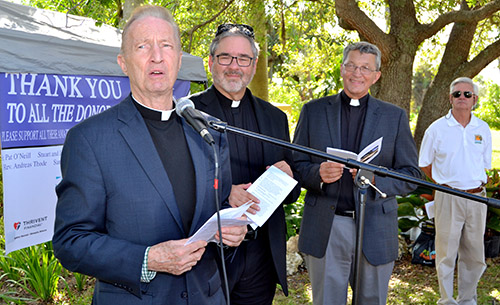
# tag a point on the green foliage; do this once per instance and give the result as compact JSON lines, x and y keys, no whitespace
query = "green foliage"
{"x":493,"y":191}
{"x":80,"y":279}
{"x":293,"y":215}
{"x":40,"y":271}
{"x":103,"y":11}
{"x":411,"y":210}
{"x":489,"y":109}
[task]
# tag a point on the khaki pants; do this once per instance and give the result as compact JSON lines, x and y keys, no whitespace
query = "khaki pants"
{"x":460,"y":225}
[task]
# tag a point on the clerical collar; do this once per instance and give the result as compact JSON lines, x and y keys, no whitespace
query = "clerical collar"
{"x":229,"y":103}
{"x":153,"y":114}
{"x":353,"y":102}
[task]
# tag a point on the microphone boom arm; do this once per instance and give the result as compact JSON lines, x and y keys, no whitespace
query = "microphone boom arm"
{"x":351,"y":163}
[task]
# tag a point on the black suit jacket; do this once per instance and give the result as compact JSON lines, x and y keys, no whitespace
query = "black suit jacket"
{"x":319,"y":127}
{"x":274,"y":123}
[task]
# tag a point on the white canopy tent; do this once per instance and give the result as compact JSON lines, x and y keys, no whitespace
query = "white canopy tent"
{"x":34,"y":40}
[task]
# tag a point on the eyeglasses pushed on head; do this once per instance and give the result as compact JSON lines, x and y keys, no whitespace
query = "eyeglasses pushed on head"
{"x":457,"y":94}
{"x":242,"y":28}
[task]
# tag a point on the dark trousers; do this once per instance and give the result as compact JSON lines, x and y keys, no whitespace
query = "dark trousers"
{"x":250,"y":272}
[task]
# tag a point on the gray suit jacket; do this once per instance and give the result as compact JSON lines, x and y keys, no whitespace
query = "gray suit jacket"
{"x":319,"y":128}
{"x":116,"y":199}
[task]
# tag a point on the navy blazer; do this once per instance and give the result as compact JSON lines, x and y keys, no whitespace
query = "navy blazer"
{"x":116,"y":199}
{"x":274,"y":123}
{"x":319,"y":128}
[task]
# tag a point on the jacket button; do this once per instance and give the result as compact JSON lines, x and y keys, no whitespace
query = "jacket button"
{"x":332,"y":207}
{"x":184,"y":295}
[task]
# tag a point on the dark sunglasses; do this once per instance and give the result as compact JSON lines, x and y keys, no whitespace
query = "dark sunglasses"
{"x":243,"y":28}
{"x":467,"y":94}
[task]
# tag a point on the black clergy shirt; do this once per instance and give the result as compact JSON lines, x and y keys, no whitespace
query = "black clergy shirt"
{"x":247,"y":160}
{"x":170,"y":142}
{"x":351,"y":128}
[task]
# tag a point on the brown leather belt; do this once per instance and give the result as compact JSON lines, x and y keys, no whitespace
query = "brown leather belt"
{"x":478,"y":189}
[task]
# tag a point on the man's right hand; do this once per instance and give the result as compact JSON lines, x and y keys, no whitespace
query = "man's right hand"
{"x":239,"y":196}
{"x":174,"y":256}
{"x":331,"y":171}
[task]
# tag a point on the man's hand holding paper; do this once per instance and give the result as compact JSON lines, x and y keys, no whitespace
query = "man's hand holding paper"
{"x":231,"y":217}
{"x":240,"y":196}
{"x":271,"y":188}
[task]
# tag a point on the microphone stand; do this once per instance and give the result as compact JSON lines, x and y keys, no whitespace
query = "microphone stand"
{"x":362,"y":181}
{"x":351,"y":163}
{"x":364,"y":175}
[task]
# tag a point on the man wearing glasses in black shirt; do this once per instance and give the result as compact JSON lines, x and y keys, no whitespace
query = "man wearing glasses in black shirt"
{"x":259,"y":263}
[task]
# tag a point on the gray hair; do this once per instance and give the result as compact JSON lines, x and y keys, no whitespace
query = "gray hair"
{"x":465,"y":80}
{"x":232,"y":33}
{"x":364,"y":47}
{"x":144,"y":11}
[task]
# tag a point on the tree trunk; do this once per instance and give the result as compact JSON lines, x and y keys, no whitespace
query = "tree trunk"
{"x":394,"y":84}
{"x":436,"y":100}
{"x":398,"y":48}
{"x":256,"y":17}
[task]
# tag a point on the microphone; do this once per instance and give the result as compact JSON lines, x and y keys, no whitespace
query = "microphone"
{"x":185,"y":108}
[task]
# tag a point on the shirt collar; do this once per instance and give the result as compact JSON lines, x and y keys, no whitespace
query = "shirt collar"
{"x":453,"y":122}
{"x":228,"y":103}
{"x":346,"y":99}
{"x":153,"y":114}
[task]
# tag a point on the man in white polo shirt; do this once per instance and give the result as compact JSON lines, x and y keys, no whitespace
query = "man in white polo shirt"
{"x":455,"y":152}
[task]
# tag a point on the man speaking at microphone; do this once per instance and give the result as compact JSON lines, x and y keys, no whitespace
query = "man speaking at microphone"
{"x":260,"y":261}
{"x":138,"y":181}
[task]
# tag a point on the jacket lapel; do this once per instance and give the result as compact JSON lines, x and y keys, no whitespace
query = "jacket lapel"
{"x":371,"y":122}
{"x":134,"y":131}
{"x":333,"y":118}
{"x":264,"y":120}
{"x":212,"y":105}
{"x":199,"y":153}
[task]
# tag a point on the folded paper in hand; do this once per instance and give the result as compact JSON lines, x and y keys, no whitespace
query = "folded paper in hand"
{"x":228,"y":218}
{"x":271,"y":188}
{"x":366,"y":155}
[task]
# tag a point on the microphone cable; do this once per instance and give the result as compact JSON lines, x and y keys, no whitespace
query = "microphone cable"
{"x":219,"y":227}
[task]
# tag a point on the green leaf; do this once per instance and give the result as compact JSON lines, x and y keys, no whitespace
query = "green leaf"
{"x":494,"y":223}
{"x":405,"y":224}
{"x":406,"y":209}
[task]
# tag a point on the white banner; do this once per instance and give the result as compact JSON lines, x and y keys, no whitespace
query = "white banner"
{"x":30,"y":176}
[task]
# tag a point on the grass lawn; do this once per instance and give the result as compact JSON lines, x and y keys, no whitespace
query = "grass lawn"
{"x":495,"y":135}
{"x":410,"y":284}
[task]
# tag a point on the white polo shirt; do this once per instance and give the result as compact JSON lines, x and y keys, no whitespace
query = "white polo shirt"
{"x":459,"y":156}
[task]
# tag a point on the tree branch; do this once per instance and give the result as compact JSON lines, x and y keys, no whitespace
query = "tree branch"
{"x":353,"y":18}
{"x":191,"y":31}
{"x":484,"y":58}
{"x":462,"y":15}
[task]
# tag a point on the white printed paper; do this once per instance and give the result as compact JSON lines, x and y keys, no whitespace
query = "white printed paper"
{"x":271,"y":188}
{"x":366,"y":155}
{"x":228,"y":218}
